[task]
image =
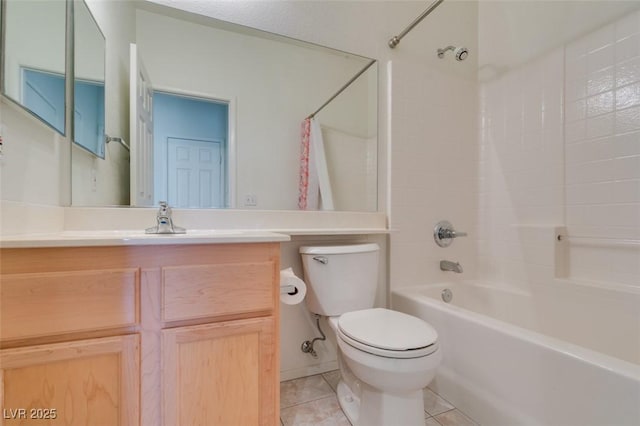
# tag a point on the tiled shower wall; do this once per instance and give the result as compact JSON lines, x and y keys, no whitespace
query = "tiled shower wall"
{"x":560,"y":144}
{"x":434,"y":173}
{"x":520,"y":194}
{"x":434,"y":151}
{"x":602,"y":152}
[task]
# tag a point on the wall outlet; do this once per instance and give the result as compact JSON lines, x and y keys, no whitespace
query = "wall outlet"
{"x":250,"y":200}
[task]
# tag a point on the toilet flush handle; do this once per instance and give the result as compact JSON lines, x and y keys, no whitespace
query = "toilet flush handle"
{"x":321,"y":259}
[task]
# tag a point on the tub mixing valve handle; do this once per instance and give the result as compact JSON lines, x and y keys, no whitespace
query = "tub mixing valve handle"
{"x":321,"y":259}
{"x":444,"y":233}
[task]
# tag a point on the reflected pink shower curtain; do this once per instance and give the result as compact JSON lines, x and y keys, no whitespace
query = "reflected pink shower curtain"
{"x":314,"y":186}
{"x":303,"y":184}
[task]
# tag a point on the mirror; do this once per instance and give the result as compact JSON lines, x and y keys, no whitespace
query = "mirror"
{"x":34,"y":58}
{"x":89,"y":75}
{"x":216,"y":111}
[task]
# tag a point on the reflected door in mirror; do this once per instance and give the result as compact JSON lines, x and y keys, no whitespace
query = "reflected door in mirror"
{"x":195,"y":173}
{"x":190,"y":151}
{"x":141,"y":131}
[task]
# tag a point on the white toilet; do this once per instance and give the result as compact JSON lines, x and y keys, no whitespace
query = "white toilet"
{"x":386,"y":357}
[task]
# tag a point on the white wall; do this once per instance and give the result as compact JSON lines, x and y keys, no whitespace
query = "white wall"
{"x":514,"y":32}
{"x":34,"y":167}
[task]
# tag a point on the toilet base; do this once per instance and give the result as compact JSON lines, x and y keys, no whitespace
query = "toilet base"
{"x":381,"y":409}
{"x":348,"y":401}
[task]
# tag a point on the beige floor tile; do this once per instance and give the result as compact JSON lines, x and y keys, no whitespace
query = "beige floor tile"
{"x":454,"y":418}
{"x":305,"y":389}
{"x":430,"y":421}
{"x":332,"y":377}
{"x":434,"y":404}
{"x":321,"y":412}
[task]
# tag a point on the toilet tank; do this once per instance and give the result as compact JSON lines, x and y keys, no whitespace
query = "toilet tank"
{"x":340,"y":278}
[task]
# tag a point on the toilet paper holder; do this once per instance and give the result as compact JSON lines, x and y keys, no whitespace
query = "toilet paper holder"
{"x":289,"y":289}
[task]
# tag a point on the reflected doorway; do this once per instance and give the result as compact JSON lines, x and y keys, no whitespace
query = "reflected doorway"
{"x":191,"y":151}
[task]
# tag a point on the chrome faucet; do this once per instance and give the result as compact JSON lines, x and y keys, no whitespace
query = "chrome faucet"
{"x":165,"y":222}
{"x":444,"y":233}
{"x":447,"y":265}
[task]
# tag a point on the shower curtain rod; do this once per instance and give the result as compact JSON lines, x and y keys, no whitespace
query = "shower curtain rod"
{"x":342,"y":89}
{"x":395,"y":40}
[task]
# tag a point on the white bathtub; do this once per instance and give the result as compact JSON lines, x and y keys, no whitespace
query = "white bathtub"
{"x":566,"y":354}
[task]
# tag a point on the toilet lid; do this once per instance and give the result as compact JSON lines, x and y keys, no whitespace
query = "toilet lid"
{"x":386,"y":329}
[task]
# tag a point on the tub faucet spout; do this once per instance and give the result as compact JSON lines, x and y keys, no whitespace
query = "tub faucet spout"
{"x":447,"y":265}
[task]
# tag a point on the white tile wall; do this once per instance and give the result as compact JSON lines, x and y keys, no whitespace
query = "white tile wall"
{"x":532,"y":176}
{"x":602,"y":148}
{"x":434,"y":166}
{"x":520,"y":194}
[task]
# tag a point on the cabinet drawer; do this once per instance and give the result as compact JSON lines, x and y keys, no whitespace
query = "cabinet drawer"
{"x":43,"y":304}
{"x":190,"y":292}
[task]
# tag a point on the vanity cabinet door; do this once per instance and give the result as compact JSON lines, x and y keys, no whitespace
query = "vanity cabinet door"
{"x":85,"y":382}
{"x":221,"y":374}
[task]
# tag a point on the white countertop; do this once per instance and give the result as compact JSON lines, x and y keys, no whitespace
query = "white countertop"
{"x":138,"y":238}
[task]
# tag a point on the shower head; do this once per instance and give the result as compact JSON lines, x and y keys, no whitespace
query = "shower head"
{"x":460,"y":53}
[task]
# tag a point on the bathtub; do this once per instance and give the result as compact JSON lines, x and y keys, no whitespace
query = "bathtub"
{"x":561,"y":355}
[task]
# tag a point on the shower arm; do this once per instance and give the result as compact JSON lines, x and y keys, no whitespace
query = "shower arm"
{"x":395,"y":40}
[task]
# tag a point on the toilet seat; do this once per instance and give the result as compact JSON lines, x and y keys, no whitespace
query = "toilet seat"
{"x":387,"y":333}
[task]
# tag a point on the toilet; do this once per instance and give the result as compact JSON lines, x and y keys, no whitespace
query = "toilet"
{"x":386,"y":357}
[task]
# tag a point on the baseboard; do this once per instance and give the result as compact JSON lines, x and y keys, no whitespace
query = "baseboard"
{"x":308,"y":371}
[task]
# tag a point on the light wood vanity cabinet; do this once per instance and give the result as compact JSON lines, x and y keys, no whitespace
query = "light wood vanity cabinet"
{"x":140,"y":335}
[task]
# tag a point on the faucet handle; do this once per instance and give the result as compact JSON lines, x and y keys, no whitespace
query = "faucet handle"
{"x":444,"y":233}
{"x":451,"y":233}
{"x":164,"y":207}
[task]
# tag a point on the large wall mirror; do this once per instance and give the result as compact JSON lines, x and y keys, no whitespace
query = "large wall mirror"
{"x":34,"y":55}
{"x":216,"y":114}
{"x":89,"y":79}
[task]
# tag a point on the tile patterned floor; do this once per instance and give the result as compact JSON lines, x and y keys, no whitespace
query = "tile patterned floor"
{"x":312,"y":401}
